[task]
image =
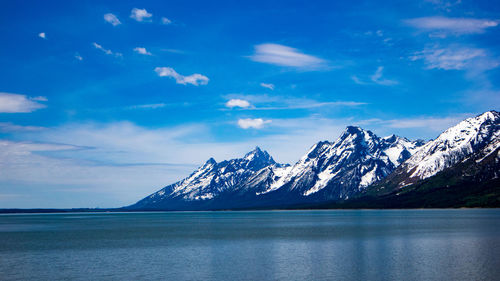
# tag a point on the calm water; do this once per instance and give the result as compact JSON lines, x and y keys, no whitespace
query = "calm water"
{"x":268,"y":245}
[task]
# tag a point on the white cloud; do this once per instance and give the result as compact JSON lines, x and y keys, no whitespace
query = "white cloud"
{"x":456,"y":58}
{"x":308,"y":104}
{"x":78,"y":57}
{"x":435,"y":124}
{"x":140,"y":15}
{"x":256,"y":123}
{"x":377,"y":78}
{"x":444,"y":4}
{"x":9,"y":127}
{"x":357,"y":80}
{"x":142,"y":51}
{"x":194,"y":79}
{"x":165,"y":20}
{"x":174,"y":51}
{"x":286,"y":56}
{"x":42,"y":35}
{"x":266,"y":102}
{"x":30,"y":170}
{"x":148,"y":106}
{"x":39,"y":98}
{"x":106,"y":51}
{"x":266,"y":85}
{"x":112,"y":19}
{"x":99,"y":47}
{"x":452,"y":25}
{"x":237,"y":103}
{"x":16,"y":103}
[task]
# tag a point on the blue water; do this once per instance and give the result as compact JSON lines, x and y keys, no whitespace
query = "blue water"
{"x":267,"y":245}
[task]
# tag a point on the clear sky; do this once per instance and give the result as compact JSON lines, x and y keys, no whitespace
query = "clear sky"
{"x":104,"y":102}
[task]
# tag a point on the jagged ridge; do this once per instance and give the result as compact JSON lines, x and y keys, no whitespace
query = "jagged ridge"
{"x":330,"y":170}
{"x":476,"y":137}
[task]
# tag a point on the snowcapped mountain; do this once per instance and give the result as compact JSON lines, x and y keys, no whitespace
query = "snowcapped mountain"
{"x":212,"y":179}
{"x":337,"y":170}
{"x":329,"y":170}
{"x":358,"y":164}
{"x":476,"y":137}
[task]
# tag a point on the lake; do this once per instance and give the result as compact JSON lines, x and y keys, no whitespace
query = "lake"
{"x":459,"y":244}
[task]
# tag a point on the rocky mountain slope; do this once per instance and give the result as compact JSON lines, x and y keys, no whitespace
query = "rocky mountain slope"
{"x":472,"y":141}
{"x":337,"y":170}
{"x":211,"y":180}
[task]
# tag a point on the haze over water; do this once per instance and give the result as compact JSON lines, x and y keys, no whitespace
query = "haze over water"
{"x":257,"y":245}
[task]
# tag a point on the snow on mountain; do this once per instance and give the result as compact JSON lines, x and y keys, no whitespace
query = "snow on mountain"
{"x":341,"y":168}
{"x":332,"y":170}
{"x":213,"y":178}
{"x":479,"y":134}
{"x":338,"y":170}
{"x":399,"y":149}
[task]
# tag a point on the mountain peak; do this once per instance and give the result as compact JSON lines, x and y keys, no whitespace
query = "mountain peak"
{"x":353,"y":129}
{"x":210,"y":162}
{"x":259,"y":157}
{"x":488,"y":115}
{"x":256,"y":152}
{"x":356,"y":130}
{"x":392,"y":138}
{"x":355,"y":134}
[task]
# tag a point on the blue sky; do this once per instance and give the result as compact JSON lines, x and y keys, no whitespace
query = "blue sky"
{"x":104,"y":102}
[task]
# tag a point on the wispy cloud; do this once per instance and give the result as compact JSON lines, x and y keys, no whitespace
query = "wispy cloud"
{"x":10,"y":127}
{"x":142,"y":51}
{"x":174,"y":51}
{"x":42,"y":35}
{"x":436,"y":124}
{"x":358,"y":81}
{"x":444,"y":4}
{"x":39,"y":98}
{"x":286,"y":56}
{"x":237,"y":103}
{"x":16,"y":103}
{"x":267,"y":85}
{"x":78,"y":57}
{"x":266,"y":102}
{"x":148,"y":106}
{"x":257,"y":123}
{"x":140,"y":15}
{"x":455,"y":26}
{"x":308,"y":104}
{"x":37,"y":164}
{"x":193,"y":79}
{"x":106,"y":51}
{"x":456,"y":58}
{"x":112,"y":19}
{"x":165,"y":21}
{"x":377,"y":78}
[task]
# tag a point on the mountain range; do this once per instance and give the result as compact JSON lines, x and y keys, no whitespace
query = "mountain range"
{"x":461,"y":167}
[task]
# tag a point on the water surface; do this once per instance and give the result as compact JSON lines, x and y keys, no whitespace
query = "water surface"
{"x":263,"y":245}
